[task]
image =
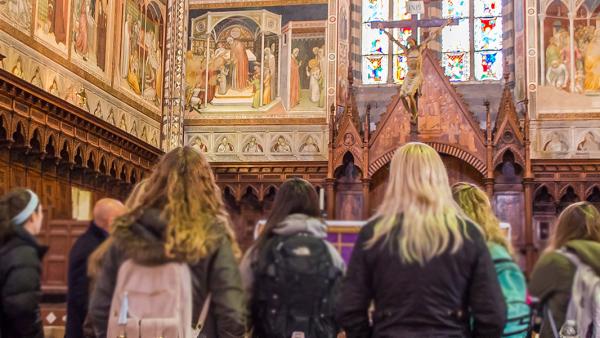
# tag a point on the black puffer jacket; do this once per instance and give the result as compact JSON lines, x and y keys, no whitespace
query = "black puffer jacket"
{"x":20,"y":269}
{"x":435,"y":300}
{"x":143,"y":241}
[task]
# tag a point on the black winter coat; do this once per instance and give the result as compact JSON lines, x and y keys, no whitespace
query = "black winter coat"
{"x":143,"y":241}
{"x":437,"y":300}
{"x":78,"y":281}
{"x":20,"y":270}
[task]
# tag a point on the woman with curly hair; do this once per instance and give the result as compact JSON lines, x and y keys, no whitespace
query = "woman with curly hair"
{"x":180,"y":218}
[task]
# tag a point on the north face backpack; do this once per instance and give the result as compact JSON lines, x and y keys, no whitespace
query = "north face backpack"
{"x":294,"y":289}
{"x":584,"y":306}
{"x":151,"y":301}
{"x":513,"y":285}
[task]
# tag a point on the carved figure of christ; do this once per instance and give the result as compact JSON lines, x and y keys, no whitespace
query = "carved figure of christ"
{"x":411,"y":87}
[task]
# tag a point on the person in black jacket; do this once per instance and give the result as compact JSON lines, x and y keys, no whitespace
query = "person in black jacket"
{"x":20,"y":219}
{"x":105,"y":211}
{"x":422,"y":265}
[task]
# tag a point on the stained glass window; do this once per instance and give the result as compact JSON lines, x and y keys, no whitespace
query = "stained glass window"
{"x":375,"y":69}
{"x":483,"y":50}
{"x":488,"y":33}
{"x":488,"y":65}
{"x":399,"y":68}
{"x":471,"y":50}
{"x":487,"y":8}
{"x":456,"y":8}
{"x":375,"y":10}
{"x":457,"y":65}
{"x":374,"y":41}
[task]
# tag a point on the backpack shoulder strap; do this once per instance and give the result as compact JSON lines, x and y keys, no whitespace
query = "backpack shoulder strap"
{"x":573,"y":258}
{"x":203,"y":313}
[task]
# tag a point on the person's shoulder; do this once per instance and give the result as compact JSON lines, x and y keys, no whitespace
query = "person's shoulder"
{"x":17,"y":252}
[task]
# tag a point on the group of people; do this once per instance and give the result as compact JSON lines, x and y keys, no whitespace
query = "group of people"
{"x":432,"y":262}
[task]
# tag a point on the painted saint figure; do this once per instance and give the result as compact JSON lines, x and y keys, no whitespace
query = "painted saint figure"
{"x":592,"y":63}
{"x":557,"y":75}
{"x":58,"y":22}
{"x":313,"y":71}
{"x":18,"y":68}
{"x":556,"y":143}
{"x":125,"y":48}
{"x":252,"y":146}
{"x":272,"y":62}
{"x":267,"y":86}
{"x":256,"y":87}
{"x":240,"y":64}
{"x":281,"y":146}
{"x":295,"y":78}
{"x":225,"y":146}
{"x":81,"y":35}
{"x":309,"y":146}
{"x":589,"y":143}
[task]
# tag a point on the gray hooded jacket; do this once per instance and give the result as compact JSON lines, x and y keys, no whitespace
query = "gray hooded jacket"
{"x":291,"y":225}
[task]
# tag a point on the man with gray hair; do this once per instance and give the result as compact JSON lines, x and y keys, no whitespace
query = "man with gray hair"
{"x":105,"y":212}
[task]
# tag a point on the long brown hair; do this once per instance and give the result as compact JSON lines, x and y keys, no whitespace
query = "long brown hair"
{"x":12,"y":204}
{"x":184,"y":188}
{"x":579,"y":220}
{"x":295,"y":196}
{"x":476,"y":205}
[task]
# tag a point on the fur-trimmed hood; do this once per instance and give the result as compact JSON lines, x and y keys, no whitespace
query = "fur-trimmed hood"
{"x":144,"y":239}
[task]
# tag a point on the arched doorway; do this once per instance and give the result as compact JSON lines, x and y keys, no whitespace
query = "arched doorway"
{"x":458,"y":171}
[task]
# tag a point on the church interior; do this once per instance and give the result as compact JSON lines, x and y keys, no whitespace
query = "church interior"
{"x":94,"y":92}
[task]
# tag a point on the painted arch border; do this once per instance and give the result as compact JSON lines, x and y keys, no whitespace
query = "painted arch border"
{"x":442,"y":148}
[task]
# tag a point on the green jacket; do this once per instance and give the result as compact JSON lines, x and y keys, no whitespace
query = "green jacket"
{"x":552,"y":279}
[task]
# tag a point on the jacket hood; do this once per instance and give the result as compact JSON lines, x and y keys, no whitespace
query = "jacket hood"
{"x":300,"y":223}
{"x":497,"y":251}
{"x":143,"y":240}
{"x":588,"y":252}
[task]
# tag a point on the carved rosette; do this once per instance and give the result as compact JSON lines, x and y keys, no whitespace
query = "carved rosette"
{"x":174,"y":108}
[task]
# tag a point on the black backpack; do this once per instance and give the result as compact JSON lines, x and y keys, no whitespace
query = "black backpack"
{"x":294,"y":289}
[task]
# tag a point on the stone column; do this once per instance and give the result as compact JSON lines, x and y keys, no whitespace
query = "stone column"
{"x":174,"y":91}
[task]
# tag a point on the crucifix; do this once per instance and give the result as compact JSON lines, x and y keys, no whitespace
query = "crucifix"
{"x":413,"y":80}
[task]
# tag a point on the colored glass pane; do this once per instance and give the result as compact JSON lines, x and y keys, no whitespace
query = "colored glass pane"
{"x":456,"y":66}
{"x":488,"y":33}
{"x":400,"y":10}
{"x":374,"y":41}
{"x":456,"y":38}
{"x":402,"y":34}
{"x":374,"y":69}
{"x":455,"y":8}
{"x":488,"y":66}
{"x":487,"y":8}
{"x":399,"y":68}
{"x":375,"y":10}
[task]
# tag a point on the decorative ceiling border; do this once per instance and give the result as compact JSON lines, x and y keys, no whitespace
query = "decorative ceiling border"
{"x":214,"y":4}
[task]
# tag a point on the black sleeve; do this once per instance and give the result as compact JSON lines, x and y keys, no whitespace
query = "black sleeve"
{"x":225,"y":284}
{"x":21,"y":293}
{"x":352,"y":309}
{"x":485,"y":295}
{"x":103,"y":291}
{"x":78,"y":292}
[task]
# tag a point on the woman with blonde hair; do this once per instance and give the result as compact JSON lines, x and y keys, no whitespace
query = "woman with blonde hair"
{"x":180,"y":218}
{"x":420,"y":261}
{"x":577,"y":232}
{"x":476,"y":205}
